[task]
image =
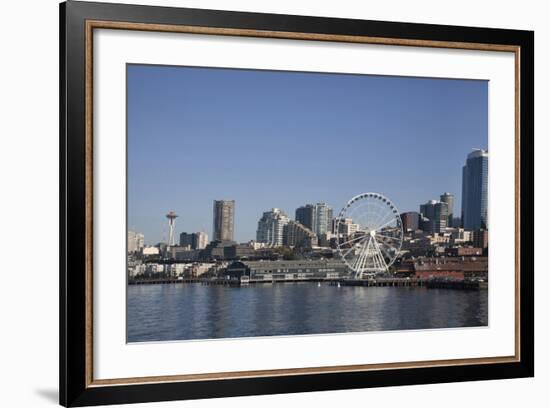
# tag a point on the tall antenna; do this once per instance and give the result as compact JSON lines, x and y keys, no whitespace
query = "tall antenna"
{"x":172,"y":227}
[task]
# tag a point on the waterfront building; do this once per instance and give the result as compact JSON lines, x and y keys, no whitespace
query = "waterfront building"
{"x":297,"y":235}
{"x":454,"y":268}
{"x":175,"y":270}
{"x":463,"y":251}
{"x":154,"y":269}
{"x":287,"y":270}
{"x":449,"y":199}
{"x":136,"y":270}
{"x":449,"y":268}
{"x":198,"y":269}
{"x":136,"y":241}
{"x":436,"y":213}
{"x":270,"y":227}
{"x":410,"y":221}
{"x":475,"y":190}
{"x":224,"y":220}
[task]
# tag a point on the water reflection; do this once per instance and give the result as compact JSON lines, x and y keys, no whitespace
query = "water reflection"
{"x":195,"y":311}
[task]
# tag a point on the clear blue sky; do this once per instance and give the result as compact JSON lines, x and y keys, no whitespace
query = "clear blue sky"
{"x":283,"y":139}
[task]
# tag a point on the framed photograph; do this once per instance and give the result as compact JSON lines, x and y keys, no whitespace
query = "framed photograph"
{"x":256,"y":203}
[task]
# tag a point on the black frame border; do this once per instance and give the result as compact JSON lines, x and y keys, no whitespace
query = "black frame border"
{"x":72,"y":348}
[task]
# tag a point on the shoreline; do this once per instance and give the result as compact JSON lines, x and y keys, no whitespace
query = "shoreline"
{"x":337,"y":282}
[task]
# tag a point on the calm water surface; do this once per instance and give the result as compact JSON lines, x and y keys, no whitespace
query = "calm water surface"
{"x":194,"y":311}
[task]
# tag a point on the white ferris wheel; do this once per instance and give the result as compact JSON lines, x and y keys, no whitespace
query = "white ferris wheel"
{"x":369,"y":234}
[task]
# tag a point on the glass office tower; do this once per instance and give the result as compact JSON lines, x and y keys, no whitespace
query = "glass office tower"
{"x":475,"y":190}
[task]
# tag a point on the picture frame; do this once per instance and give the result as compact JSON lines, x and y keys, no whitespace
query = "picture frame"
{"x":79,"y":21}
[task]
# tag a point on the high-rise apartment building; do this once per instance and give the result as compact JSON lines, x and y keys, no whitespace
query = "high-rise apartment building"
{"x":224,"y":220}
{"x":270,"y":227}
{"x":136,"y":241}
{"x":316,"y":217}
{"x":323,"y":219}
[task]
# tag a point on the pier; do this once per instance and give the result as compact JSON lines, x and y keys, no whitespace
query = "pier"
{"x":381,"y":282}
{"x":384,"y":282}
{"x":158,"y":281}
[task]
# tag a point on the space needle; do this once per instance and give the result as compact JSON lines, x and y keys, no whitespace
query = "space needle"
{"x":172,"y":228}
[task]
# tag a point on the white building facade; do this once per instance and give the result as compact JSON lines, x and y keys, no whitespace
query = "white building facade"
{"x":136,"y":241}
{"x":270,"y":227}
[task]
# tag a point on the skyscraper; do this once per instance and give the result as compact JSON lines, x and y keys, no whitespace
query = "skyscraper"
{"x":449,"y":199}
{"x":270,"y":227}
{"x":323,"y":219}
{"x":305,"y":215}
{"x":316,"y":217}
{"x":437,"y":215}
{"x":329,"y":218}
{"x":474,"y":190}
{"x":224,"y":220}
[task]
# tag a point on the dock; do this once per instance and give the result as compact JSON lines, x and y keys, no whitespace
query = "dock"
{"x":380,"y":282}
{"x":384,"y":282}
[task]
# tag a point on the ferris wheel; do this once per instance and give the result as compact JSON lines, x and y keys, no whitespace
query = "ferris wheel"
{"x":369,"y":234}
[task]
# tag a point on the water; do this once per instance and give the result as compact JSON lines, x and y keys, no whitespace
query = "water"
{"x":195,"y":311}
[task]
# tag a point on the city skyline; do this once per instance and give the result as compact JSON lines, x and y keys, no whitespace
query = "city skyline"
{"x":440,"y":121}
